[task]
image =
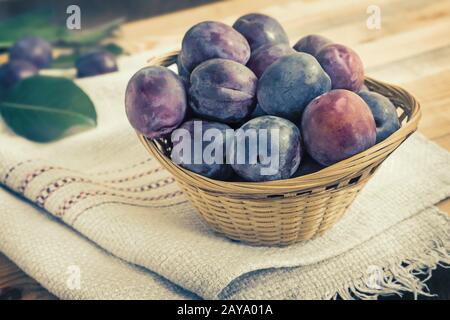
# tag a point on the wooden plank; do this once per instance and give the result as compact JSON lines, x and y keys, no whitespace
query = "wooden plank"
{"x":15,"y":284}
{"x":434,"y":95}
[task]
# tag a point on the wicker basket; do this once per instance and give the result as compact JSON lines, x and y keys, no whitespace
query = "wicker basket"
{"x":287,"y":211}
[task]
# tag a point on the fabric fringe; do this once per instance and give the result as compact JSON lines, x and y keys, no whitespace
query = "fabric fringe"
{"x":410,"y":275}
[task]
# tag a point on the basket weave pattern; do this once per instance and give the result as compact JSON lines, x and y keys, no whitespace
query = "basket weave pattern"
{"x":283,"y":212}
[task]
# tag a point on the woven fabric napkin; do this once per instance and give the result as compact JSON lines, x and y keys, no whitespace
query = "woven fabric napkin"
{"x":126,"y":224}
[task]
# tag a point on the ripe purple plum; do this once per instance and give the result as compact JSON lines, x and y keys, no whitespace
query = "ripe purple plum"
{"x":208,"y":40}
{"x":343,"y":65}
{"x":260,"y":30}
{"x":15,"y":71}
{"x":184,"y":152}
{"x":290,"y":83}
{"x":311,"y":44}
{"x":34,"y":50}
{"x":263,"y":57}
{"x":384,"y":113}
{"x":336,"y":126}
{"x":276,"y":158}
{"x":95,"y":63}
{"x":155,"y":101}
{"x":222,"y":90}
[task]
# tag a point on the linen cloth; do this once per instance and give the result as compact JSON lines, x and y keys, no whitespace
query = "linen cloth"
{"x":126,"y":224}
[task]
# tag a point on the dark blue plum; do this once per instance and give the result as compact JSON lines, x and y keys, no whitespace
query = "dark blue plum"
{"x":384,"y":113}
{"x":208,"y":167}
{"x":34,"y":50}
{"x":311,"y":44}
{"x":263,"y":57}
{"x":155,"y":101}
{"x":308,"y":166}
{"x":15,"y":71}
{"x":290,"y":83}
{"x":209,"y":40}
{"x":223,"y":90}
{"x":95,"y":63}
{"x":260,"y":30}
{"x":184,"y":74}
{"x":258,"y":112}
{"x":255,"y":156}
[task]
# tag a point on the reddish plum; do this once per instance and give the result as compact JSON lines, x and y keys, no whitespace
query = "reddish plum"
{"x":343,"y":65}
{"x":336,"y":126}
{"x":263,"y":57}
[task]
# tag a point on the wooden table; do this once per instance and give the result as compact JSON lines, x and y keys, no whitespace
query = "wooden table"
{"x":412,"y":49}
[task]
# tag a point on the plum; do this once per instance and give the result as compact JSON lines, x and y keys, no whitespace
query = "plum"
{"x":155,"y":101}
{"x":95,"y":63}
{"x":15,"y":71}
{"x":311,"y":44}
{"x":258,"y":112}
{"x":222,"y":90}
{"x":260,"y":30}
{"x":343,"y":65}
{"x":211,"y":137}
{"x":34,"y":50}
{"x":183,"y":72}
{"x":336,"y":126}
{"x":290,"y":83}
{"x":209,"y":40}
{"x":266,"y":148}
{"x":263,"y":57}
{"x":308,"y":166}
{"x":384,"y":113}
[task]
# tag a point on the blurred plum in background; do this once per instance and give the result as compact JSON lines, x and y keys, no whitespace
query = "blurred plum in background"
{"x":15,"y":71}
{"x":95,"y":63}
{"x":34,"y":50}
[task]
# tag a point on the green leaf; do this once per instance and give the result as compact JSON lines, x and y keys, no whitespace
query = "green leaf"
{"x":67,"y":61}
{"x":41,"y":23}
{"x":43,"y":109}
{"x":35,"y":23}
{"x":92,"y":35}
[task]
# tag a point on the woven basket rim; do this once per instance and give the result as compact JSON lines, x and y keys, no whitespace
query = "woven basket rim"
{"x":325,"y":176}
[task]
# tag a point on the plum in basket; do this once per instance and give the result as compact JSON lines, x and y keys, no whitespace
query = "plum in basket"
{"x":155,"y":101}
